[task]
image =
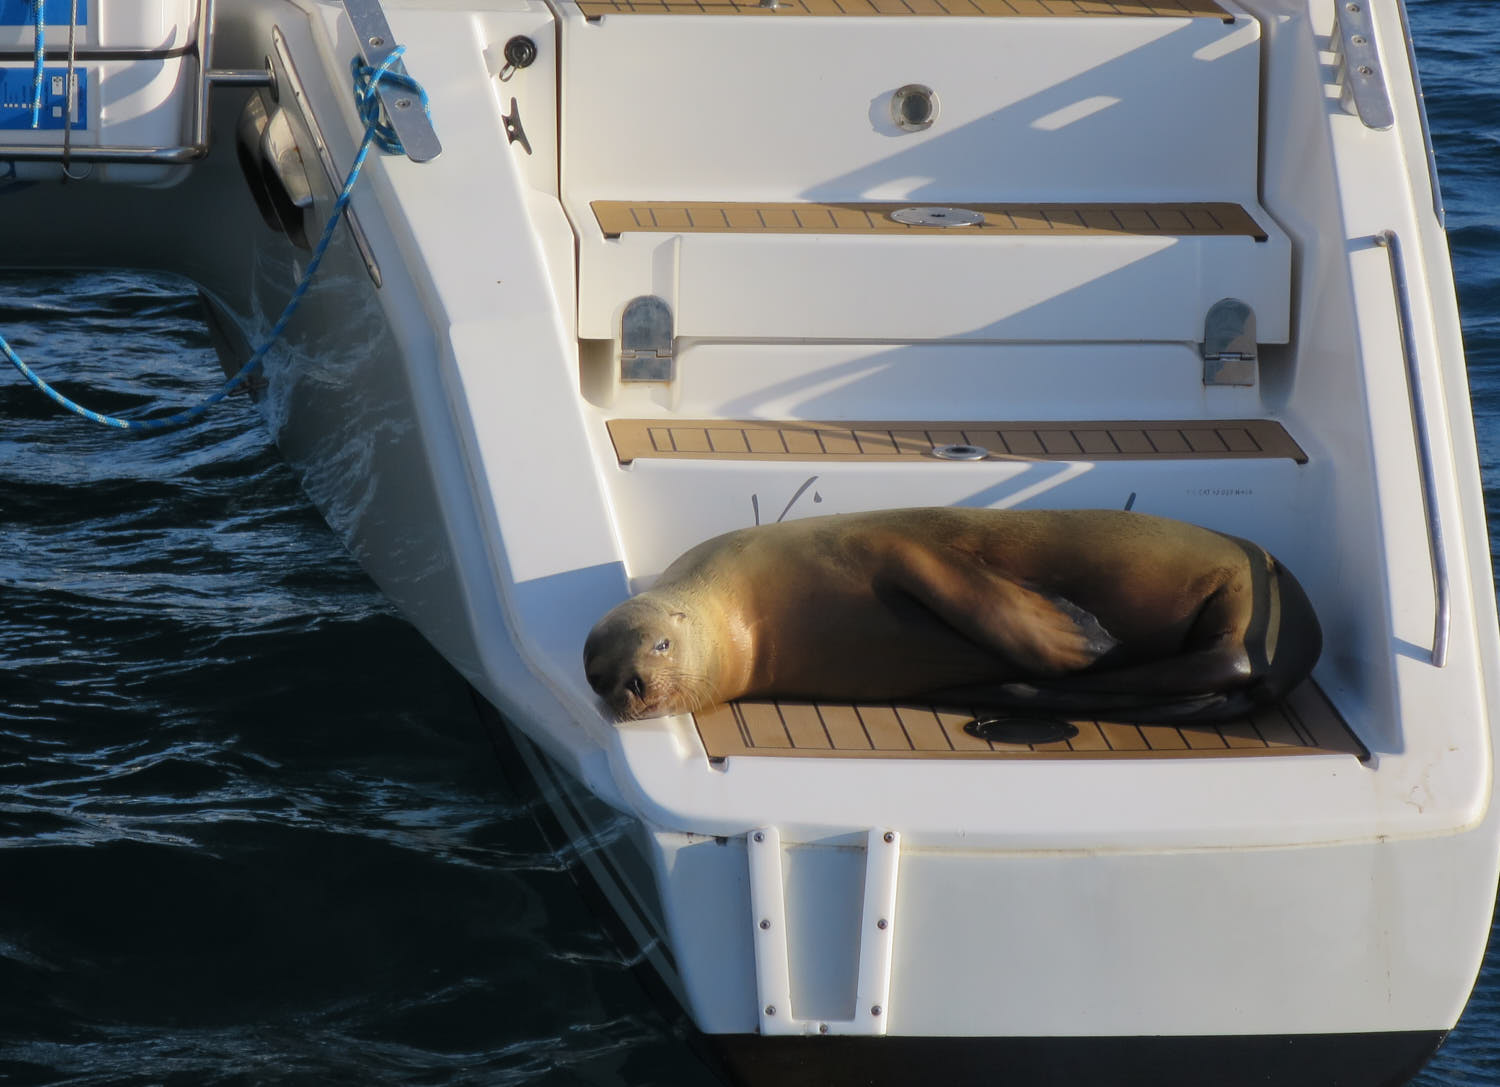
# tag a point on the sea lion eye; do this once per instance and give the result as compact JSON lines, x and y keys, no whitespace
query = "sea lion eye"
{"x":662,"y":646}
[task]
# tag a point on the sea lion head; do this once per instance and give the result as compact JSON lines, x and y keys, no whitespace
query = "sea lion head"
{"x":645,"y":659}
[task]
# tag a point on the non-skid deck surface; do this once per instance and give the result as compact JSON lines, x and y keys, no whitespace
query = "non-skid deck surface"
{"x":703,"y":439}
{"x":618,"y":217}
{"x":978,"y":8}
{"x":1306,"y":724}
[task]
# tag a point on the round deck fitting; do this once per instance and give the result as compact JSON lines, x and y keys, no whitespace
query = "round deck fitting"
{"x":937,"y":216}
{"x":914,"y":107}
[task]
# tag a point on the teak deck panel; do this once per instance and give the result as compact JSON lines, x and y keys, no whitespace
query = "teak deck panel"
{"x":618,"y":217}
{"x":707,"y":439}
{"x":1306,"y":724}
{"x":593,"y":9}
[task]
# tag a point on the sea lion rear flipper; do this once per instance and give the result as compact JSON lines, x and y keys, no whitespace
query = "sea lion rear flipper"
{"x":1038,"y":633}
{"x":1214,"y":684}
{"x":1217,"y":669}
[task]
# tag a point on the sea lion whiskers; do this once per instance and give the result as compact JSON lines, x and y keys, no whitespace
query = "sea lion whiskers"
{"x":666,"y":690}
{"x":694,"y":691}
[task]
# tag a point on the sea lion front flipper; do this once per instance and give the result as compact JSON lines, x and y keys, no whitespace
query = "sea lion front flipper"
{"x":1037,"y":633}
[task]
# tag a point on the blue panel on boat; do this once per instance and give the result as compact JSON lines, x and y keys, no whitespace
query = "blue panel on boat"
{"x":54,"y":12}
{"x":15,"y":99}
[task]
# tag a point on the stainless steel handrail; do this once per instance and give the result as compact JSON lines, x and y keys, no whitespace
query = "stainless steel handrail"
{"x":1416,"y":82}
{"x":94,"y":52}
{"x":1392,"y":244}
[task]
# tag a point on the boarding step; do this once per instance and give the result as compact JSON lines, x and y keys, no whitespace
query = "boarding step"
{"x":1098,"y":272}
{"x":1015,"y":179}
{"x":680,"y":481}
{"x":972,"y":220}
{"x":1306,"y":723}
{"x":915,"y":442}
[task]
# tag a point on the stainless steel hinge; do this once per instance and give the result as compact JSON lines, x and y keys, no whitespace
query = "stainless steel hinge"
{"x":1229,"y":349}
{"x":647,"y":341}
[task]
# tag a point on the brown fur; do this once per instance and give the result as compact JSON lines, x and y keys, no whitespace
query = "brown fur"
{"x":1121,"y":613}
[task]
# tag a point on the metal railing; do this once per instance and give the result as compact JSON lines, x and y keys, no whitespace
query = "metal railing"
{"x":195,"y":142}
{"x":1392,"y":245}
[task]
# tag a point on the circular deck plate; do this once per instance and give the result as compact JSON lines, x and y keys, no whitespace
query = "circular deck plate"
{"x":937,"y":216}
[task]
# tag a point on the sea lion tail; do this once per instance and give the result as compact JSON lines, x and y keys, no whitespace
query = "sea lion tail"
{"x":1292,"y":642}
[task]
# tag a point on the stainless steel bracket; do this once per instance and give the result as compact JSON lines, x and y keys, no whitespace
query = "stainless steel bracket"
{"x":877,"y":927}
{"x":647,"y":341}
{"x":1361,"y":79}
{"x":376,"y":42}
{"x":286,"y":69}
{"x":1229,"y":351}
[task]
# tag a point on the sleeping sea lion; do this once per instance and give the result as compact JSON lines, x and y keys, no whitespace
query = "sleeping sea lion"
{"x":1092,"y":613}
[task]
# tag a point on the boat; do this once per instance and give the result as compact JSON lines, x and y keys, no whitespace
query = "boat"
{"x":618,"y":276}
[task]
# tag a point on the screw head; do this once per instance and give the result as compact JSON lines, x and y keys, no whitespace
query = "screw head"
{"x":770,"y":1009}
{"x":765,"y":924}
{"x":822,"y":1028}
{"x":875,"y":1010}
{"x":1365,"y":69}
{"x":377,"y":40}
{"x":759,"y":837}
{"x":882,"y":923}
{"x":889,"y":837}
{"x":403,"y":103}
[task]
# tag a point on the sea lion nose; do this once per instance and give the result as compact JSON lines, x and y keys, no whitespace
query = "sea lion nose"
{"x":636,"y":686}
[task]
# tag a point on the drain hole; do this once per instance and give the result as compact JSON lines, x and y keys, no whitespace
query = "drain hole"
{"x":1021,"y":730}
{"x":960,"y":452}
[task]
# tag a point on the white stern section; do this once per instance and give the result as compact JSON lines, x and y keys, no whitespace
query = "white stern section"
{"x":1271,"y":895}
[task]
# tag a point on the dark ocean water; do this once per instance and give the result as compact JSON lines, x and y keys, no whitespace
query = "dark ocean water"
{"x":251,"y":829}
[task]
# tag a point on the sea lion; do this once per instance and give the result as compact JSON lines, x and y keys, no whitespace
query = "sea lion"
{"x":1093,"y":613}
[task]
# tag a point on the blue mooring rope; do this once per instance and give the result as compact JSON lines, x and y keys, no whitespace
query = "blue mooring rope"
{"x":377,"y":132}
{"x":38,"y":57}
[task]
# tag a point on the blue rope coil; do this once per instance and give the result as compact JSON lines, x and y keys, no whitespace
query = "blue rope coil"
{"x":378,"y":133}
{"x":367,"y":100}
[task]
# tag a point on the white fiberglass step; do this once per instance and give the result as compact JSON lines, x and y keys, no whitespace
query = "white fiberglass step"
{"x":1081,"y":114}
{"x":697,"y":107}
{"x":1046,"y":274}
